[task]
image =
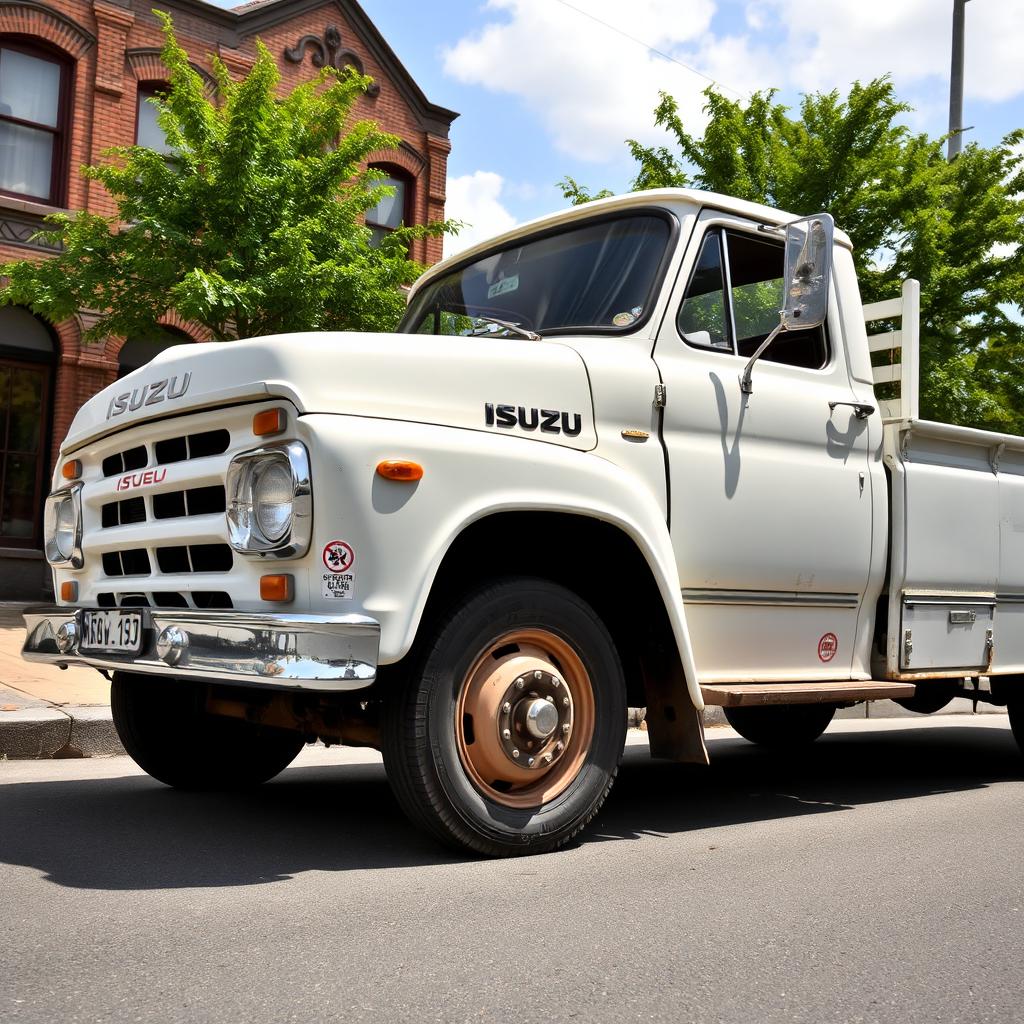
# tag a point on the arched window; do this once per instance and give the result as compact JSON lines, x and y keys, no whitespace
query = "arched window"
{"x":147,"y":130}
{"x":392,"y":211}
{"x":27,"y":354}
{"x":136,"y":352}
{"x":34,"y":102}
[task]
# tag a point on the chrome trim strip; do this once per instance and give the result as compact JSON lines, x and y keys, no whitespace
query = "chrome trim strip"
{"x":780,"y":598}
{"x":952,"y":599}
{"x":284,"y":651}
{"x":1010,"y":599}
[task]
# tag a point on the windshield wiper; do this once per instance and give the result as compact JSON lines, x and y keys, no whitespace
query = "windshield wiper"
{"x":508,"y":326}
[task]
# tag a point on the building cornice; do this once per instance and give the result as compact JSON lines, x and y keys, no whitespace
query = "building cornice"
{"x":252,"y":19}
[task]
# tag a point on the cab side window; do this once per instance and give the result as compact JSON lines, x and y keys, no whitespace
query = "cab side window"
{"x":702,"y":317}
{"x":748,"y":270}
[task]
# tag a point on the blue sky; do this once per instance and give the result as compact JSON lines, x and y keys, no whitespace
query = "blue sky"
{"x":545,"y":89}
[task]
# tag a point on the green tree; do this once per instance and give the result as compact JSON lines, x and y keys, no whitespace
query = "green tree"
{"x":252,"y":227}
{"x":957,"y":227}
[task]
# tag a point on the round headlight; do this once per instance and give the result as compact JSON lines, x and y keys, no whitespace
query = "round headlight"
{"x":272,"y":495}
{"x":65,"y":528}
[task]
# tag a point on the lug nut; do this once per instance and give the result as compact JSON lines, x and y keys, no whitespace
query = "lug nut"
{"x":506,"y":707}
{"x":559,"y":746}
{"x":537,"y":674}
{"x":556,"y":682}
{"x":515,"y":753}
{"x":547,"y":758}
{"x":566,"y":728}
{"x":519,"y":684}
{"x":530,"y":762}
{"x":505,"y":734}
{"x":565,"y":702}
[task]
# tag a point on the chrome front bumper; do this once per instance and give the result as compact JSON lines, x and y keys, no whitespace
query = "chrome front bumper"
{"x":290,"y":652}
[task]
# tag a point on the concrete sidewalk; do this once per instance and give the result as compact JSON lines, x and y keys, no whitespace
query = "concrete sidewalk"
{"x":46,"y":711}
{"x":49,"y":712}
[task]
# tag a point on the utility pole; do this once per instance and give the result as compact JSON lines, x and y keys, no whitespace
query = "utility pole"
{"x":956,"y":82}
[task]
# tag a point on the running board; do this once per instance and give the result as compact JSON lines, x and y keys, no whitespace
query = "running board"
{"x":743,"y":695}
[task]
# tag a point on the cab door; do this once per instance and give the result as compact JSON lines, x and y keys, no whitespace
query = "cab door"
{"x":771,"y":505}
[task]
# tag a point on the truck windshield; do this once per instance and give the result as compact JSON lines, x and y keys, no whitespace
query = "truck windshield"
{"x":599,"y":276}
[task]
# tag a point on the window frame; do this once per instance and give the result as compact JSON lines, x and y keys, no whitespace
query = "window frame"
{"x":722,"y":229}
{"x":149,"y":86}
{"x":408,"y":206}
{"x":61,"y":132}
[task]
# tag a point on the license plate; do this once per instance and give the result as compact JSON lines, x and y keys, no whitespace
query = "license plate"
{"x":107,"y":631}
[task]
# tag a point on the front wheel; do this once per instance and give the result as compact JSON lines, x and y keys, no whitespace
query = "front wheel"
{"x":507,"y":736}
{"x":781,"y":725}
{"x":167,"y":732}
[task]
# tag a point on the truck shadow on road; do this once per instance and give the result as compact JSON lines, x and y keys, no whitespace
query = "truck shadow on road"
{"x":131,"y":833}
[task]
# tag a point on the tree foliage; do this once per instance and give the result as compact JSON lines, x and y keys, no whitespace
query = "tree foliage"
{"x":957,"y":226}
{"x":252,"y":226}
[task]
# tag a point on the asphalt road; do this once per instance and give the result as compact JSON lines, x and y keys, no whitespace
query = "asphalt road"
{"x":878,"y":878}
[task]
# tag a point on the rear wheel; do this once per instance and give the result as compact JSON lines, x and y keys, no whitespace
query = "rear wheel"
{"x":781,"y":725}
{"x":508,"y":735}
{"x":1015,"y":709}
{"x":167,"y":732}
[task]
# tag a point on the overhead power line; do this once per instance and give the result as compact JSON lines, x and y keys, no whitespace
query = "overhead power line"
{"x":652,"y":49}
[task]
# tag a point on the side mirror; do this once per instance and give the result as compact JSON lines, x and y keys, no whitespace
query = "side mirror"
{"x":808,"y":271}
{"x":806,"y":276}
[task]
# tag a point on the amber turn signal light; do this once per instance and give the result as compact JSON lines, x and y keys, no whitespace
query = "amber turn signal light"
{"x":71,"y":470}
{"x":270,"y":421}
{"x":400,"y":469}
{"x":69,"y":591}
{"x":277,"y":588}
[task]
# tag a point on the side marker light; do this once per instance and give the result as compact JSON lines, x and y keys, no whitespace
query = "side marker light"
{"x":401,"y":470}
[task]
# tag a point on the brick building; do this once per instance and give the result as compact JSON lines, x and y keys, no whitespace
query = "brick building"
{"x":74,"y":77}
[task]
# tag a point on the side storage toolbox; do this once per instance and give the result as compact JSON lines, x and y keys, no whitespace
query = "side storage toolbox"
{"x":941,"y":633}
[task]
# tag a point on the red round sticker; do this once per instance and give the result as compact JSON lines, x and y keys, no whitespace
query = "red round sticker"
{"x":827,"y":646}
{"x":339,"y":556}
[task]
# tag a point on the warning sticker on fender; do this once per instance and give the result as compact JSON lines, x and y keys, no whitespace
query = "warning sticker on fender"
{"x":337,"y":585}
{"x":339,"y":560}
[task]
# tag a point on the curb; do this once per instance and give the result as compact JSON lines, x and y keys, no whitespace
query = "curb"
{"x":51,"y":731}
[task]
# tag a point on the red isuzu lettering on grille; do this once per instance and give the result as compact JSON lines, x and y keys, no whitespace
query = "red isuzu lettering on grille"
{"x":144,"y":479}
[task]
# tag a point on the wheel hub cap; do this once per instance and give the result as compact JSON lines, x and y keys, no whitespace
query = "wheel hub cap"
{"x":525,"y":718}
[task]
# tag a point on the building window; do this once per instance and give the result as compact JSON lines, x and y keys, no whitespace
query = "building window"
{"x":148,"y":132}
{"x":392,"y":211}
{"x":33,"y":123}
{"x":26,"y":359}
{"x":136,"y":352}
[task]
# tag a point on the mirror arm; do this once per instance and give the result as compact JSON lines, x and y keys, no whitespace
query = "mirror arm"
{"x":746,"y":385}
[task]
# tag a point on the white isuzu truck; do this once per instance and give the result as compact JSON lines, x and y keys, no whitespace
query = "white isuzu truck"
{"x":643,"y":452}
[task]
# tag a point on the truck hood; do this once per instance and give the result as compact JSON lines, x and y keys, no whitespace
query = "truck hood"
{"x":511,"y":386}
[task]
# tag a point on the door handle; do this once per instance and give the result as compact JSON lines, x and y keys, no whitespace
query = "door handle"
{"x":860,"y":409}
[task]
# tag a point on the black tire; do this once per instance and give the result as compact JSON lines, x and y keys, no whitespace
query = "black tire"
{"x":168,"y":734}
{"x":425,"y":750}
{"x":931,"y":696}
{"x":1015,"y":710}
{"x":781,"y":725}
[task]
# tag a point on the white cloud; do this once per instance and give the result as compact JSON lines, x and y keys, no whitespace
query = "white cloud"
{"x":592,"y":87}
{"x":844,"y":40}
{"x":475,"y":199}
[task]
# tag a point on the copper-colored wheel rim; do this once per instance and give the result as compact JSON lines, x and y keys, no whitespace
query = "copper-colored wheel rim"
{"x":524,"y":719}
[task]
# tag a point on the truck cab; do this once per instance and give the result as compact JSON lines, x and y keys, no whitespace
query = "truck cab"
{"x":639,"y":453}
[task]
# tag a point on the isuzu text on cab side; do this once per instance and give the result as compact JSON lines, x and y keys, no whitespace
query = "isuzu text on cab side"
{"x":595,"y":468}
